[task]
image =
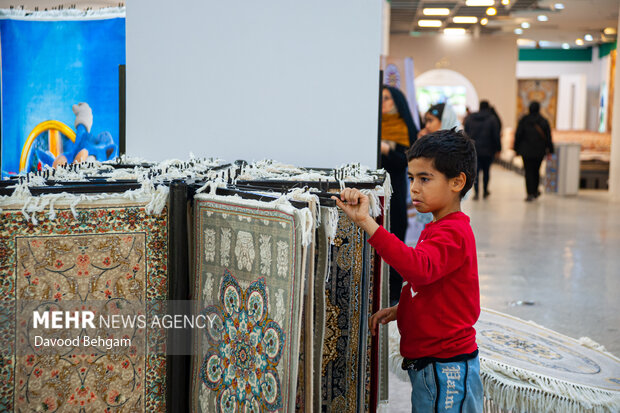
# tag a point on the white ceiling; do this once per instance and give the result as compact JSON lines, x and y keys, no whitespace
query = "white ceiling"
{"x":578,"y":18}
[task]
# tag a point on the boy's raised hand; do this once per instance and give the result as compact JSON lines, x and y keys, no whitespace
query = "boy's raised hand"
{"x":382,"y":316}
{"x":356,"y":205}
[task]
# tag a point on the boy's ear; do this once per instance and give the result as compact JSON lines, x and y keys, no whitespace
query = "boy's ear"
{"x":458,"y":183}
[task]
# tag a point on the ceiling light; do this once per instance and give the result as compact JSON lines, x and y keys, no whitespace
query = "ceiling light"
{"x":491,"y":11}
{"x":484,"y":21}
{"x":436,"y":12}
{"x":565,"y":46}
{"x":558,"y":6}
{"x":518,"y":31}
{"x":526,"y":42}
{"x":505,"y":2}
{"x":480,"y":3}
{"x":454,"y":31}
{"x":542,"y":18}
{"x":465,"y":19}
{"x":579,"y":42}
{"x":609,"y":31}
{"x":525,"y":25}
{"x":588,"y":38}
{"x":429,"y":23}
{"x":544,"y":43}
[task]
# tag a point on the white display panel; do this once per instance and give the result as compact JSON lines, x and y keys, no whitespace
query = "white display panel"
{"x":280,"y":79}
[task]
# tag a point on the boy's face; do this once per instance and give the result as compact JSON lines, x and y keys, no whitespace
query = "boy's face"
{"x":432,"y":191}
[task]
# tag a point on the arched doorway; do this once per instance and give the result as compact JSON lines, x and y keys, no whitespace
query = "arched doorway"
{"x":441,"y":85}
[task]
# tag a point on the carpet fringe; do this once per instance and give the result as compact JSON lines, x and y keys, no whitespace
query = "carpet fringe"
{"x":508,"y":388}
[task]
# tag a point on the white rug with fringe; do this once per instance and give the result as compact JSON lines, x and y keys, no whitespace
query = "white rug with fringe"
{"x":528,"y":368}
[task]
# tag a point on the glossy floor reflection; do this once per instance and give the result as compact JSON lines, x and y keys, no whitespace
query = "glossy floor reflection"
{"x":560,"y":253}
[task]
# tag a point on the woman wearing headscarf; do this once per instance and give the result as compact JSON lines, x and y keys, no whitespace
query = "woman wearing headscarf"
{"x":438,"y":117}
{"x":398,"y":132}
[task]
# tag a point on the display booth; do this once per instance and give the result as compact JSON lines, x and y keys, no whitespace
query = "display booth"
{"x":285,"y":281}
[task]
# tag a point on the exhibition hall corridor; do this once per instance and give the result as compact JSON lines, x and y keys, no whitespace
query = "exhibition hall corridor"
{"x":555,"y":261}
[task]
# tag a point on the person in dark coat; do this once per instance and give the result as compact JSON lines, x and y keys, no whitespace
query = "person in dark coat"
{"x":483,"y":127}
{"x":532,"y":143}
{"x":398,"y":132}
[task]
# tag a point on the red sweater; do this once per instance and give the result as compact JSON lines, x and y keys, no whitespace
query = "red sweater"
{"x":442,"y":270}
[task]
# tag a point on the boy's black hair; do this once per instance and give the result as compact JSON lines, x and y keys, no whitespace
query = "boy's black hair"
{"x":451,"y":151}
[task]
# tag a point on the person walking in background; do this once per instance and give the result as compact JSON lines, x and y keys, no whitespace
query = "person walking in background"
{"x":532,"y":143}
{"x":398,"y":132}
{"x":484,"y":129}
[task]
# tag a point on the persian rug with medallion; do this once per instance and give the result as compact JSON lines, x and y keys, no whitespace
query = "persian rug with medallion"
{"x":113,"y":252}
{"x":526,"y":367}
{"x":249,"y":281}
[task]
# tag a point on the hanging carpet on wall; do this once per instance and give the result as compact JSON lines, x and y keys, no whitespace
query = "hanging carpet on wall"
{"x":109,"y":253}
{"x":377,"y":370}
{"x":287,"y":284}
{"x":249,"y":280}
{"x":343,"y":367}
{"x":324,"y":239}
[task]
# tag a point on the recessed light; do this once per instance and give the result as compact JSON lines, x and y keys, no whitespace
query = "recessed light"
{"x":465,"y":19}
{"x":436,"y":11}
{"x":518,"y":30}
{"x":491,"y":11}
{"x":505,"y":2}
{"x":526,"y":42}
{"x":542,"y":18}
{"x":479,"y":3}
{"x":484,"y":21}
{"x":429,"y":23}
{"x":588,"y":38}
{"x":579,"y":42}
{"x":454,"y":31}
{"x":525,"y":25}
{"x":558,"y":6}
{"x":609,"y":31}
{"x":565,"y":46}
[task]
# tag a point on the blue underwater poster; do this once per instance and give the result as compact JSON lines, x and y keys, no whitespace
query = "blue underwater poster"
{"x":60,"y":90}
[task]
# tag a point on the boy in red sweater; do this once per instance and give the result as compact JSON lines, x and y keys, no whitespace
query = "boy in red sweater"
{"x":440,"y":297}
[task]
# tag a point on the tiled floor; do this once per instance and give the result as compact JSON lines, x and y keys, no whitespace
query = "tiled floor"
{"x":561,"y":253}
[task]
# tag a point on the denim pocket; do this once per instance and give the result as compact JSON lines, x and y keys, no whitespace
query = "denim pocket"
{"x":428,"y":377}
{"x":423,"y":388}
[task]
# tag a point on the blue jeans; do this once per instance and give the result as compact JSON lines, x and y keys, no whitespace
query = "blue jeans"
{"x":447,"y":387}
